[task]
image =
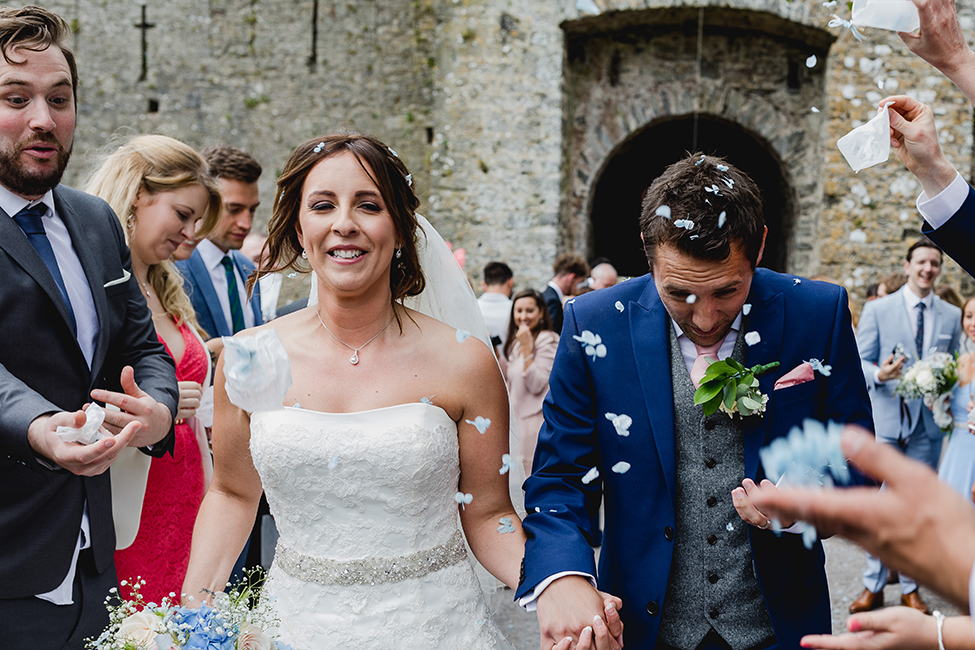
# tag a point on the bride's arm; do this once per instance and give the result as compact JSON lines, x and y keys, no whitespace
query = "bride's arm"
{"x":480,"y":462}
{"x":230,"y":505}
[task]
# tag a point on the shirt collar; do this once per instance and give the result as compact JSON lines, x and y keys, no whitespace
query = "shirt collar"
{"x":13,"y":203}
{"x":557,"y":290}
{"x":912,"y":298}
{"x":210,"y":253}
{"x":735,"y":327}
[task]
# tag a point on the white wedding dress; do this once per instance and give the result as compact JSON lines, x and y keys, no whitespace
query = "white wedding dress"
{"x":370,"y":555}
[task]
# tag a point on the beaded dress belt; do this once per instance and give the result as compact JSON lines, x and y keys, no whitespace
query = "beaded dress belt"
{"x":370,"y":570}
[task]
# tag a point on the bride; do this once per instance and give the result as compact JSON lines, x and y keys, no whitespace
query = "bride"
{"x":394,"y":422}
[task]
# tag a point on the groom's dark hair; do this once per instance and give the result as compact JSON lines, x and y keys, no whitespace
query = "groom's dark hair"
{"x":701,"y":205}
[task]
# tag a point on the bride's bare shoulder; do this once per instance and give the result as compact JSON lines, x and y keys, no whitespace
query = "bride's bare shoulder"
{"x":451,"y":346}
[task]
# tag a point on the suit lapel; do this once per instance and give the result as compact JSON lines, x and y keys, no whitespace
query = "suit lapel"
{"x":201,"y":278}
{"x":766,"y":317}
{"x":91,"y":265}
{"x":648,"y":332}
{"x":15,"y":243}
{"x":254,"y":301}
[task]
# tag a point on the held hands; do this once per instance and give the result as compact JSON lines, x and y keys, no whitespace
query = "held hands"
{"x":135,"y":405}
{"x":190,"y":394}
{"x":742,"y":499}
{"x":570,"y":610}
{"x":891,"y":369}
{"x":915,"y":139}
{"x":83,"y":460}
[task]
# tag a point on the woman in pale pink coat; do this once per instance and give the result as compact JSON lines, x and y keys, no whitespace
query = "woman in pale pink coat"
{"x":527,"y":361}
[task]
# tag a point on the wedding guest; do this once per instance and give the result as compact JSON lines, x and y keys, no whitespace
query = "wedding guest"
{"x":958,"y":464}
{"x":77,"y":331}
{"x":495,"y":300}
{"x":603,"y":275}
{"x":872,"y":291}
{"x":161,"y":190}
{"x":570,"y":269}
{"x":684,"y":546}
{"x":898,"y":628}
{"x":947,"y":293}
{"x":528,"y":357}
{"x":891,"y":283}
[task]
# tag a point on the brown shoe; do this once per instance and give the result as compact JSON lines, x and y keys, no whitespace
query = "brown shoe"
{"x":868,"y":601}
{"x":913,"y":600}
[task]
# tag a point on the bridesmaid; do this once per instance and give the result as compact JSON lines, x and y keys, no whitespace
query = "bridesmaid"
{"x":163,"y":195}
{"x":528,"y":354}
{"x":958,"y":466}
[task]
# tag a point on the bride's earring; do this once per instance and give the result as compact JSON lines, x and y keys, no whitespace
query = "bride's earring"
{"x":399,"y":252}
{"x":304,"y":255}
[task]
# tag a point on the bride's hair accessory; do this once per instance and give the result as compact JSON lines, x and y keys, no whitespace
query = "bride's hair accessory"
{"x":354,"y":359}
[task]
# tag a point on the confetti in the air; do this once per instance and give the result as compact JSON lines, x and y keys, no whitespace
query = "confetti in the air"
{"x":590,"y":476}
{"x":621,"y":467}
{"x":746,"y":309}
{"x":753,"y":338}
{"x":463,"y":499}
{"x":462,"y":335}
{"x":480,"y":423}
{"x":691,"y":299}
{"x":663,"y":211}
{"x":505,"y":526}
{"x":686,"y":224}
{"x":621,"y":423}
{"x":811,"y":61}
{"x":619,"y":306}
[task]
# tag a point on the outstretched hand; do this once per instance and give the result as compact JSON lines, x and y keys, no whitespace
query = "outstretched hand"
{"x":916,"y":525}
{"x":135,"y":405}
{"x":941,"y":42}
{"x":893,"y":628}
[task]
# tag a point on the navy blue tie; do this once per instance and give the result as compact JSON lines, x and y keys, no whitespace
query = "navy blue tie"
{"x":919,"y":335}
{"x":29,"y":220}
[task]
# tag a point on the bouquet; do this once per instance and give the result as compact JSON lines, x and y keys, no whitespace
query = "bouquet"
{"x":231,"y":624}
{"x":732,"y":388}
{"x":932,"y":379}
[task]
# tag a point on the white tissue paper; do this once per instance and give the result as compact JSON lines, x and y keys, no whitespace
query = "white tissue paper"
{"x":894,"y":15}
{"x":257,"y":371}
{"x":204,"y":412}
{"x":89,"y":432}
{"x":869,"y":144}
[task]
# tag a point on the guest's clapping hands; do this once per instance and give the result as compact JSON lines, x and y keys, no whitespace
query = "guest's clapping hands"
{"x":572,"y":614}
{"x":83,"y":460}
{"x":742,"y":499}
{"x":915,"y":139}
{"x":190,"y":394}
{"x":916,"y":525}
{"x":135,"y":405}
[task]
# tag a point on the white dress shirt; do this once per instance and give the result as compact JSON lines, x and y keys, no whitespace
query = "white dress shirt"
{"x":212,"y":257}
{"x":496,"y":309}
{"x":86,"y":320}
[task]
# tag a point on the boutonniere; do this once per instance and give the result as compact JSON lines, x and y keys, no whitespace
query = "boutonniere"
{"x":731,"y":387}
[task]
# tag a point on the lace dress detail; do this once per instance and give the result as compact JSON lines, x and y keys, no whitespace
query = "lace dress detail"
{"x":174,"y":491}
{"x":368,"y":496}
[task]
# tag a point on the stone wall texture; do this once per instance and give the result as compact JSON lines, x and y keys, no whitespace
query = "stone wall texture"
{"x":508,"y":111}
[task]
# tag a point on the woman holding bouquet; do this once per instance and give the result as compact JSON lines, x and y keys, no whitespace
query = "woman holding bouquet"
{"x":161,"y":191}
{"x":389,"y":424}
{"x":958,"y":466}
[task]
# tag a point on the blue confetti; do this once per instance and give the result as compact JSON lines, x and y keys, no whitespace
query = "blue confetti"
{"x":479,"y":423}
{"x":506,"y":526}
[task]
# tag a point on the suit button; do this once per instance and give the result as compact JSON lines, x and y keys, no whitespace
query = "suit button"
{"x":712,"y":539}
{"x":713,"y":578}
{"x":713,"y":613}
{"x":668,"y":533}
{"x":709,"y":425}
{"x":712,"y":502}
{"x":710,"y":463}
{"x":653,"y":608}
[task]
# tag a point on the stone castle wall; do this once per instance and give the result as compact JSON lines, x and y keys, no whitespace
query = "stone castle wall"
{"x":470,"y":94}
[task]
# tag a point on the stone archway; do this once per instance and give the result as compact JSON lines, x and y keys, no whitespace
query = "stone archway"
{"x":615,"y":207}
{"x":634,"y":82}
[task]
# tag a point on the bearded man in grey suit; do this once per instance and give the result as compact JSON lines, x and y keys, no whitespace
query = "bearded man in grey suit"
{"x":75,"y":329}
{"x":907,"y":324}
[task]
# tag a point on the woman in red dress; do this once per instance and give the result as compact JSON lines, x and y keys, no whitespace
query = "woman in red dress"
{"x":162,"y":193}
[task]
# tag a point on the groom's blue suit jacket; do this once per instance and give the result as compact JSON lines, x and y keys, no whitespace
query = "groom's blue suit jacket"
{"x":798,"y":320}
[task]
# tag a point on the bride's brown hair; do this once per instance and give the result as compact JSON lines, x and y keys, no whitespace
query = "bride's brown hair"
{"x":283,"y":250}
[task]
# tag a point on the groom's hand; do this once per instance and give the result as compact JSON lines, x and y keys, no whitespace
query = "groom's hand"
{"x":570,"y":605}
{"x":135,"y":405}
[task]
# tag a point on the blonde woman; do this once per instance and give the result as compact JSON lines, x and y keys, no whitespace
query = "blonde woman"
{"x":163,"y":195}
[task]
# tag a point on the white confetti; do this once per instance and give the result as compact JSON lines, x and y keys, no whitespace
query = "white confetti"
{"x":691,"y":299}
{"x":723,"y":168}
{"x":463,"y":499}
{"x":409,"y":180}
{"x":830,"y":4}
{"x":621,"y":423}
{"x":686,"y":224}
{"x":713,"y":190}
{"x":730,"y":527}
{"x":693,"y":237}
{"x":663,"y":211}
{"x":722,"y":218}
{"x":590,"y":476}
{"x":811,"y":61}
{"x":318,"y":147}
{"x":818,"y":366}
{"x":727,"y":181}
{"x":592,"y":344}
{"x":619,"y":306}
{"x":621,"y":467}
{"x":505,"y":464}
{"x":746,"y":309}
{"x":700,"y":161}
{"x":814,"y":109}
{"x":332,"y":464}
{"x":427,"y":400}
{"x":479,"y":423}
{"x":796,"y":281}
{"x":390,"y":151}
{"x":296,"y":405}
{"x":505,"y":526}
{"x":462,"y":335}
{"x":752,"y":338}
{"x":292,"y":275}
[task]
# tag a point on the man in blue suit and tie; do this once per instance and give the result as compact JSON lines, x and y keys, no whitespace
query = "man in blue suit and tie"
{"x":694,"y":562}
{"x":216,"y":273}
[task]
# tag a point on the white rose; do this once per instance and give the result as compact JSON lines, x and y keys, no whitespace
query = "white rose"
{"x":141,"y":629}
{"x":925,"y":380}
{"x":252,"y":637}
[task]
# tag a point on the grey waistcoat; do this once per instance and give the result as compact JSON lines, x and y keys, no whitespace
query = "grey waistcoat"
{"x":712,"y":580}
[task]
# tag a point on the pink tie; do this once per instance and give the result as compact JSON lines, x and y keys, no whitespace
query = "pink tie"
{"x":701,"y":363}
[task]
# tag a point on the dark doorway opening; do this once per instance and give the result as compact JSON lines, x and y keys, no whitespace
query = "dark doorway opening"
{"x":615,"y":211}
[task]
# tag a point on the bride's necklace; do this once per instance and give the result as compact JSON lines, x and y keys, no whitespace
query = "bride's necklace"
{"x":354,"y":359}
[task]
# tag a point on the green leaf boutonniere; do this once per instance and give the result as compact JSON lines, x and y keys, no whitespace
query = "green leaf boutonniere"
{"x":731,"y":387}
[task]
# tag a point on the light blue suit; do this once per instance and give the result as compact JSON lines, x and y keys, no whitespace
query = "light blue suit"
{"x":909,"y":424}
{"x":206,"y":304}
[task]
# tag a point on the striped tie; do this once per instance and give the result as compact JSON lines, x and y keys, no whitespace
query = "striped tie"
{"x":236,"y":311}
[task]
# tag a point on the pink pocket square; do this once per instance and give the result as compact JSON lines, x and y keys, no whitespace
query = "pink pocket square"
{"x":798,"y":375}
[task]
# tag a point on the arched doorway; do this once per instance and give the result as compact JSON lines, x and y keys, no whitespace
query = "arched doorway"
{"x":615,"y":206}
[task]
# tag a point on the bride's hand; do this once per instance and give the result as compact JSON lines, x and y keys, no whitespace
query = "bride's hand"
{"x":599,"y":635}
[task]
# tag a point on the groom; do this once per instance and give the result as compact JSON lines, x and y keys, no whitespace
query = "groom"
{"x":691,"y":558}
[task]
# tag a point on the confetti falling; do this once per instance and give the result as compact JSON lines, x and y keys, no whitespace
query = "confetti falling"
{"x":746,"y":309}
{"x":318,"y":147}
{"x":505,"y":526}
{"x":292,"y":275}
{"x":463,"y":499}
{"x":797,"y":281}
{"x":730,"y":527}
{"x":723,"y":168}
{"x":427,"y":400}
{"x":590,"y":476}
{"x":480,"y":423}
{"x":663,"y":211}
{"x":686,"y":224}
{"x":592,"y":344}
{"x":722,"y":218}
{"x":621,"y":467}
{"x":714,"y":189}
{"x":691,"y":299}
{"x":619,"y":306}
{"x":698,"y":163}
{"x":818,"y":366}
{"x":505,"y":464}
{"x":753,"y":338}
{"x":814,"y":109}
{"x":811,"y":61}
{"x":621,"y":423}
{"x":462,"y":335}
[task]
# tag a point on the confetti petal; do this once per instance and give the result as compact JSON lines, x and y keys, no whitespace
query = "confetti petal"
{"x":505,"y":526}
{"x":590,"y":476}
{"x":427,"y":400}
{"x":292,"y":275}
{"x":505,"y":464}
{"x":619,"y":306}
{"x":621,"y":467}
{"x":814,"y":109}
{"x":723,"y":168}
{"x":796,"y":281}
{"x":730,"y":527}
{"x":480,"y":423}
{"x":811,"y":61}
{"x":462,"y":335}
{"x":691,"y":299}
{"x":686,"y":224}
{"x":746,"y":309}
{"x":722,"y":218}
{"x":463,"y":499}
{"x":621,"y":423}
{"x":752,"y":338}
{"x":663,"y":211}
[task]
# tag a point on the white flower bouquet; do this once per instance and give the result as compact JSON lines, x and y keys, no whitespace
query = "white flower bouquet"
{"x":231,"y":624}
{"x":932,"y":379}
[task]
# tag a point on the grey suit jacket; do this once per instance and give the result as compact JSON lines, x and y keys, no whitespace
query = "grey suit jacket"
{"x":885,"y":322}
{"x":42,"y":370}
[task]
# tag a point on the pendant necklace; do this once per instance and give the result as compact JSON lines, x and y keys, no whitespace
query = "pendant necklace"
{"x":354,"y":359}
